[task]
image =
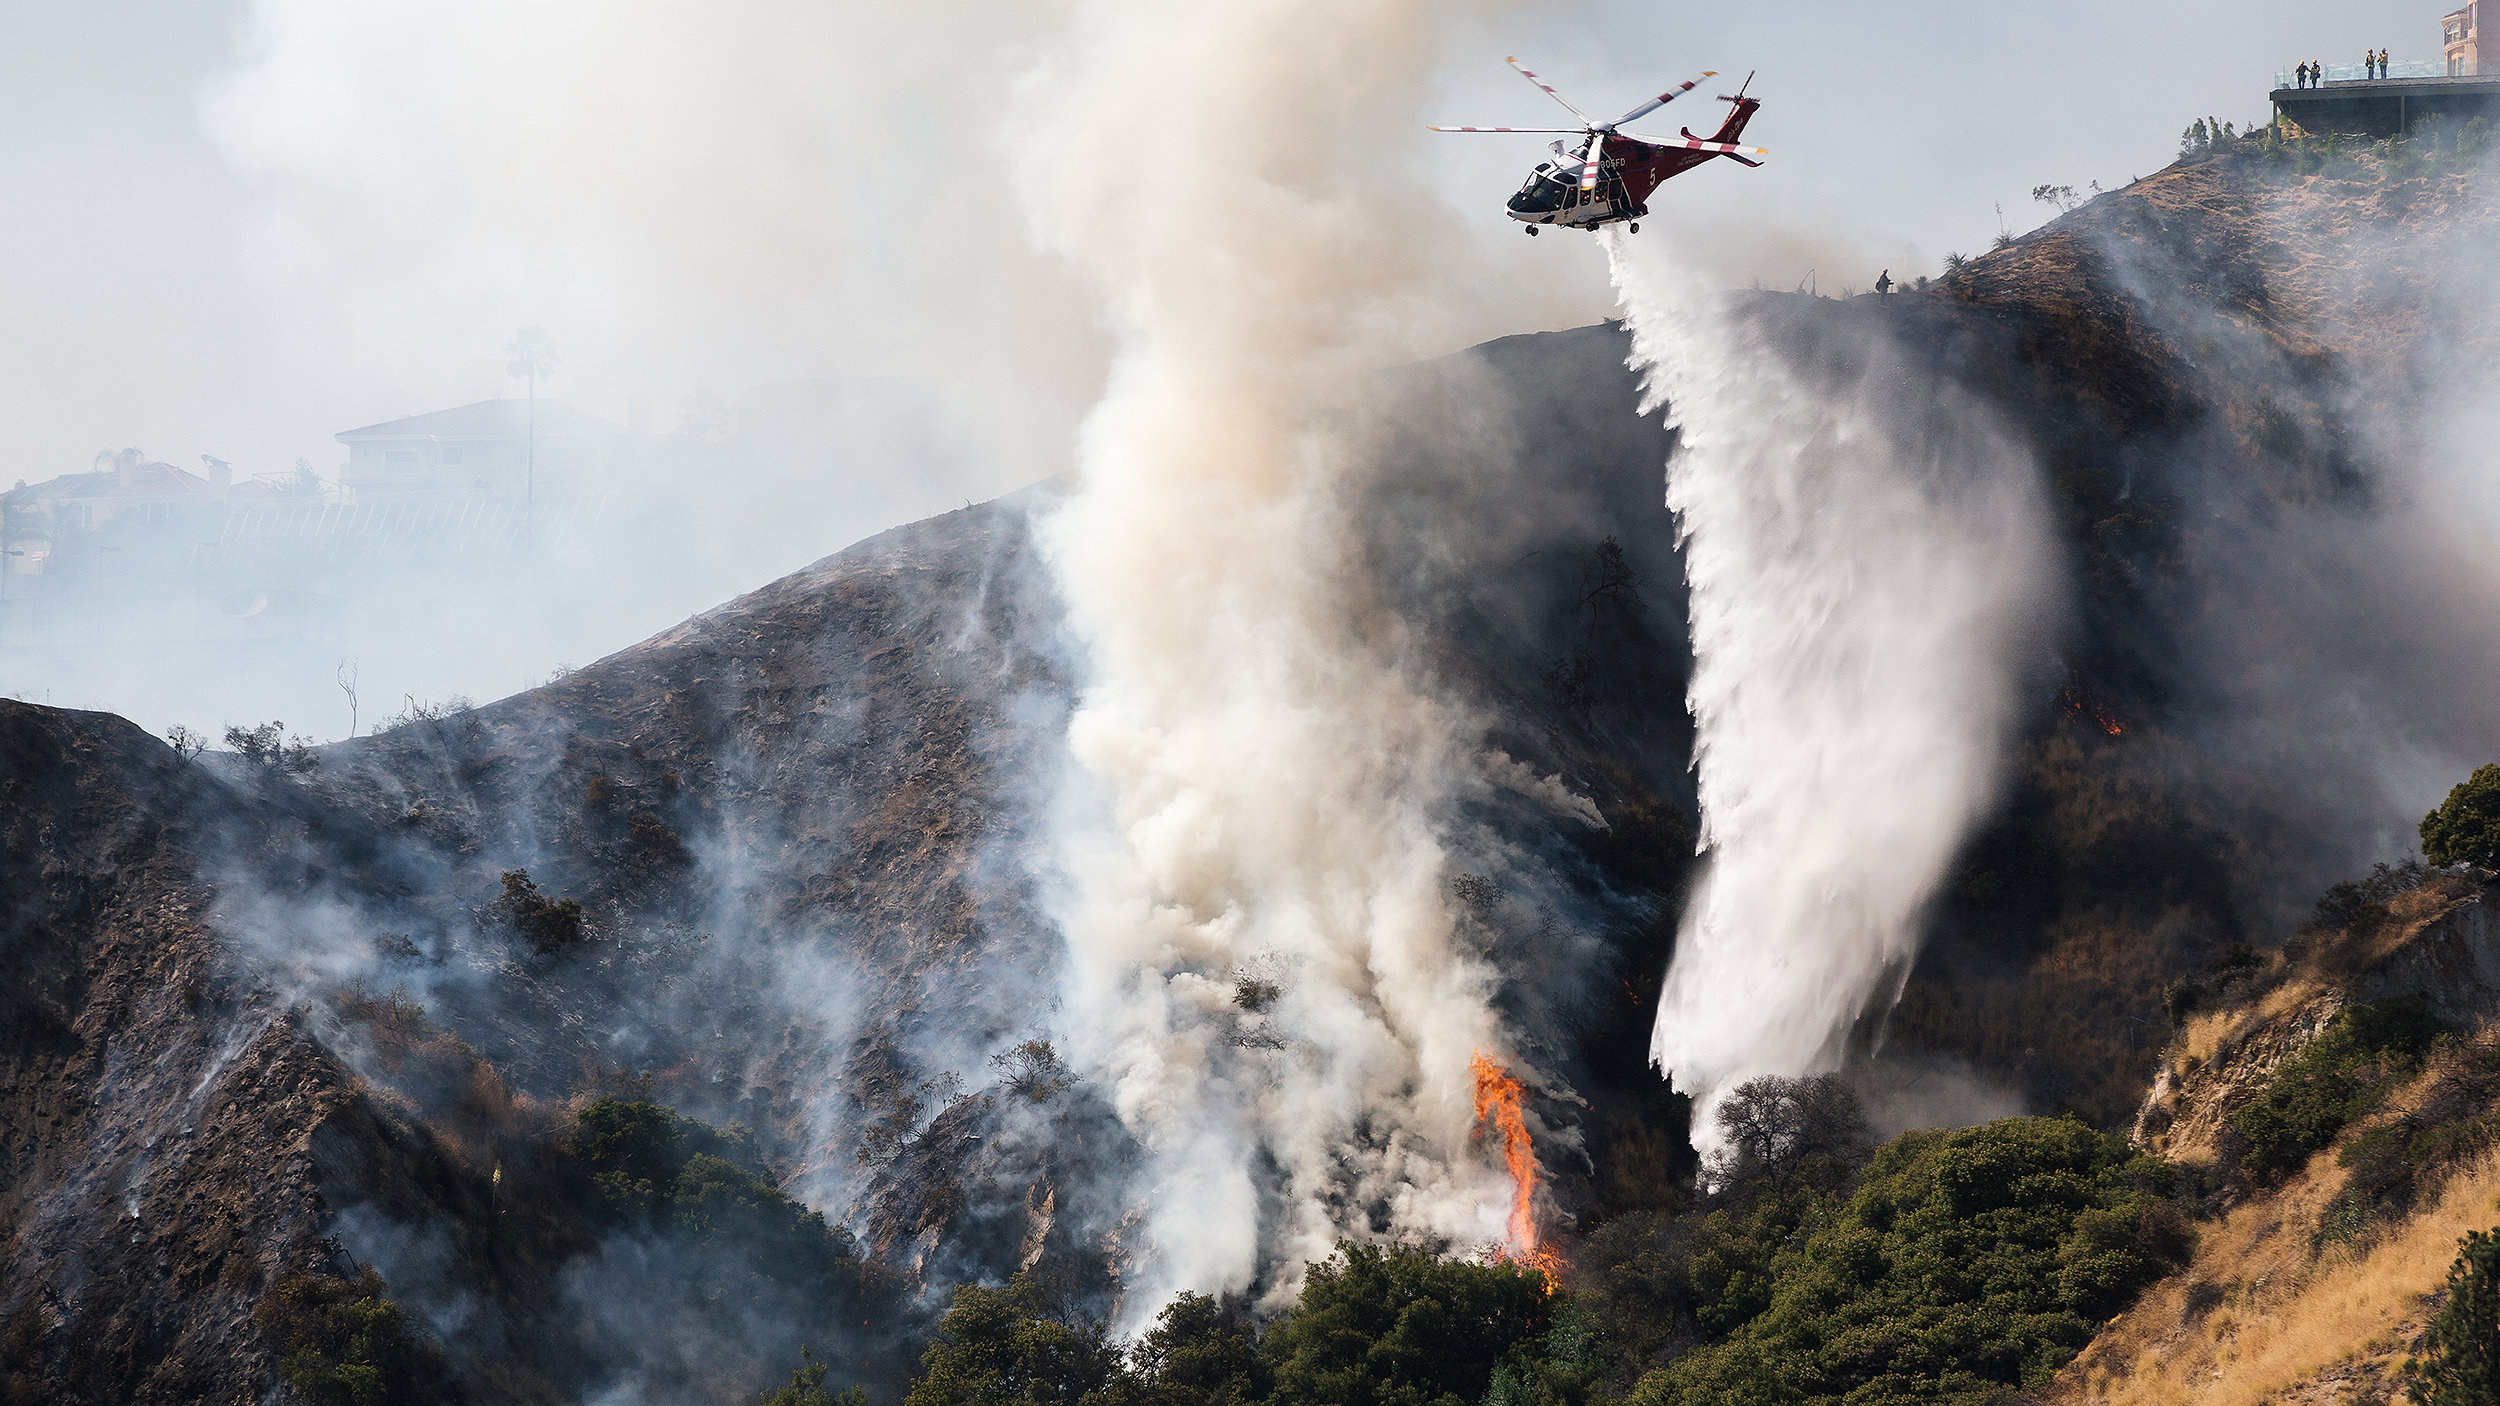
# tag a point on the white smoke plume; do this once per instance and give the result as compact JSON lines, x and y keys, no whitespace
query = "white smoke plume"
{"x":1871,"y":571}
{"x":1261,"y":782}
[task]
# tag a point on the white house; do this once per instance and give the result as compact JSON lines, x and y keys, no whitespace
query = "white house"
{"x":484,"y":450}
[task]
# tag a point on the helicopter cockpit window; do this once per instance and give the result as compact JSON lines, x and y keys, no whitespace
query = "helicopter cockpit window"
{"x":1545,"y":189}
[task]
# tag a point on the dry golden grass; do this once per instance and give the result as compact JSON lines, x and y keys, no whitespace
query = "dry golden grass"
{"x":2347,"y":952}
{"x":2223,"y":1052}
{"x":2258,"y":1317}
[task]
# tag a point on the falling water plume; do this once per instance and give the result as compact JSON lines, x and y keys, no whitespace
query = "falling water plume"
{"x":1869,"y":566}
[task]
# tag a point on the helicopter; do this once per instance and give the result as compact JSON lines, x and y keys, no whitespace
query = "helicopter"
{"x":1607,"y":176}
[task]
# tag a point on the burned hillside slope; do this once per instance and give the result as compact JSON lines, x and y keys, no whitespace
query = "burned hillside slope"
{"x":776,"y":868}
{"x":2241,"y":377}
{"x":771,"y":868}
{"x":159,"y":1104}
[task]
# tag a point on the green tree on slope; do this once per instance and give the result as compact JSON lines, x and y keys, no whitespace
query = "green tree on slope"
{"x":1967,"y":1263}
{"x":2466,"y":827}
{"x":1017,"y":1345}
{"x":1398,"y":1326}
{"x":2461,"y":1362}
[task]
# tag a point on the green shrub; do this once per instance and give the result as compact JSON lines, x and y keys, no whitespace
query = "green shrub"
{"x":1398,"y":1326}
{"x":2465,"y":829}
{"x":2339,"y":1077}
{"x":340,"y":1341}
{"x":2451,"y":1124}
{"x":1651,"y":1283}
{"x":1201,"y":1352}
{"x":807,"y":1387}
{"x":269,"y":749}
{"x":1967,"y":1263}
{"x":2460,"y":1361}
{"x":1020,"y":1345}
{"x":2363,"y":902}
{"x":550,"y":924}
{"x":654,"y":1167}
{"x":655,"y":845}
{"x":2473,"y":139}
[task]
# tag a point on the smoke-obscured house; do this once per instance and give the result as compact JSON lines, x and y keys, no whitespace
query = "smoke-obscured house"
{"x":144,"y":553}
{"x":126,"y":500}
{"x":484,"y":450}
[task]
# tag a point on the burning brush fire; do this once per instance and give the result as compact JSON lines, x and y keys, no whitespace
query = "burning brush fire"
{"x":2084,"y":705}
{"x":1498,"y":1104}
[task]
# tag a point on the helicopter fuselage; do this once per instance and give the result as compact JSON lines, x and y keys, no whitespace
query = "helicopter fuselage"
{"x":1628,"y":170}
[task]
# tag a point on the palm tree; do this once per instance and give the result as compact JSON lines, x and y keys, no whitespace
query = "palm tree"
{"x":532,"y":356}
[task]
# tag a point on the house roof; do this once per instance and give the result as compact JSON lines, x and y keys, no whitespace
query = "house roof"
{"x":491,"y":419}
{"x":145,"y":481}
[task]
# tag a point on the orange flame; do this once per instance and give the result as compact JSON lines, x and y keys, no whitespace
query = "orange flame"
{"x":2085,"y":705}
{"x":1498,"y":1102}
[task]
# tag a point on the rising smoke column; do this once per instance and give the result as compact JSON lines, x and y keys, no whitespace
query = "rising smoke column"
{"x":1870,"y":573}
{"x":1258,"y":784}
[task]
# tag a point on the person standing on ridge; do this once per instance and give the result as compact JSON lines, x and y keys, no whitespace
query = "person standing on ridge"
{"x":1883,"y":284}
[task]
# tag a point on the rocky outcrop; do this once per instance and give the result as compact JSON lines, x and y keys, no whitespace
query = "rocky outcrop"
{"x":2434,"y":942}
{"x":2314,"y":1283}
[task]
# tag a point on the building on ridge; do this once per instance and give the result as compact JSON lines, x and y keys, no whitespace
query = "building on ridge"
{"x":2352,"y":99}
{"x":484,"y":450}
{"x":2461,"y":34}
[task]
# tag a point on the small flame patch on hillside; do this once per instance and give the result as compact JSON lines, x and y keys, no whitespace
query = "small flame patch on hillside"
{"x":1498,"y":1104}
{"x":2084,"y":705}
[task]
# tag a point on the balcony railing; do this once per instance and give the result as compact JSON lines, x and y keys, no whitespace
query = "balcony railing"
{"x":2358,"y":73}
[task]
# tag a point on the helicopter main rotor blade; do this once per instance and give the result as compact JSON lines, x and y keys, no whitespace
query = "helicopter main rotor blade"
{"x":1588,"y":170}
{"x":1663,"y":99}
{"x":1549,"y":92}
{"x":1696,"y":144}
{"x":1559,"y":131}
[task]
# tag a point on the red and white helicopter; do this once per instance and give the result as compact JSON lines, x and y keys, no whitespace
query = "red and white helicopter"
{"x":1609,"y":176}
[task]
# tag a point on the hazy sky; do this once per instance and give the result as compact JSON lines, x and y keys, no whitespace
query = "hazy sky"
{"x":239,"y":226}
{"x":157,"y":299}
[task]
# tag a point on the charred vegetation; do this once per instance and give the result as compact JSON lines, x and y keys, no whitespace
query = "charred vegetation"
{"x":608,"y":983}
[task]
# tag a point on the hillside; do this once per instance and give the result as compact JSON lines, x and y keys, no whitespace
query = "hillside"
{"x":791,"y":825}
{"x":2313,"y":1282}
{"x":271,"y":1024}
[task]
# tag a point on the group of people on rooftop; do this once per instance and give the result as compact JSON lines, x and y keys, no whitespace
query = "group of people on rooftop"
{"x":2373,"y":65}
